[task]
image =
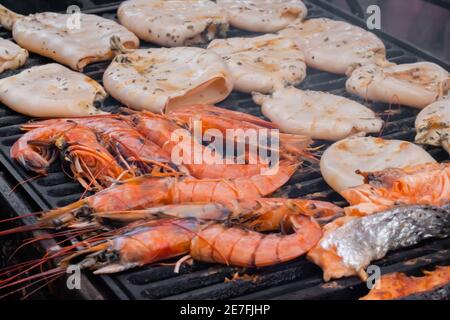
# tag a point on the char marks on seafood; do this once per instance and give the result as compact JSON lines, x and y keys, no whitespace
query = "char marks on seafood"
{"x":433,"y":125}
{"x":262,"y":63}
{"x":341,"y":162}
{"x":173,"y":23}
{"x":52,"y":90}
{"x":11,"y":55}
{"x":336,"y":46}
{"x":415,"y":85}
{"x":263,"y":15}
{"x":165,"y":78}
{"x":319,"y":115}
{"x":425,"y":184}
{"x":51,"y":35}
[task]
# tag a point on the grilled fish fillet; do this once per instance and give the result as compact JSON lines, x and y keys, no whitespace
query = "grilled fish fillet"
{"x":319,"y":115}
{"x":160,"y":79}
{"x":433,"y":125}
{"x":425,"y":184}
{"x":416,"y":85}
{"x":173,"y":23}
{"x":341,"y":161}
{"x":49,"y":34}
{"x":399,"y":285}
{"x":51,"y":90}
{"x":11,"y":55}
{"x":262,"y":63}
{"x":263,"y":15}
{"x":350,"y":244}
{"x":336,"y":46}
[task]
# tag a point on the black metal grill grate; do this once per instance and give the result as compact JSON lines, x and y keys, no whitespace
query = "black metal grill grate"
{"x":296,"y":279}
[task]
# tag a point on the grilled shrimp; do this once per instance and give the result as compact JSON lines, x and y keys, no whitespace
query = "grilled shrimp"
{"x":143,"y":244}
{"x":215,"y":118}
{"x":265,"y":214}
{"x":34,"y":150}
{"x":415,"y":85}
{"x":162,"y":131}
{"x":425,"y":184}
{"x":433,"y":125}
{"x":124,"y":141}
{"x":235,"y":246}
{"x":147,"y":191}
{"x":92,"y":165}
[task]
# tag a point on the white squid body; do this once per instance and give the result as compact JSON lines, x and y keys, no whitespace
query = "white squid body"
{"x":316,"y":114}
{"x":340,"y":162}
{"x":263,"y":15}
{"x":65,"y":39}
{"x":433,"y":125}
{"x":262,"y":63}
{"x":11,"y":55}
{"x":336,"y":46}
{"x":159,"y":79}
{"x":51,"y":91}
{"x":415,"y":85}
{"x":173,"y":23}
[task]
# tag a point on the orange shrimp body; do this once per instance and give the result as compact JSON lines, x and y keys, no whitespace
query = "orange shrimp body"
{"x":221,"y":119}
{"x":235,"y":246}
{"x":35,"y":150}
{"x":143,"y":244}
{"x":92,"y":165}
{"x":426,"y":184}
{"x":147,"y":191}
{"x":160,"y":130}
{"x":269,"y":214}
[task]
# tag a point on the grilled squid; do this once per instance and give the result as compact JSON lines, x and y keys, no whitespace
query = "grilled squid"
{"x":415,"y":85}
{"x":73,"y":40}
{"x":173,"y":23}
{"x":263,"y":15}
{"x":319,"y":115}
{"x":342,"y":161}
{"x":11,"y":55}
{"x":262,"y":63}
{"x":433,"y":125}
{"x":160,"y":79}
{"x":336,"y":46}
{"x":52,"y":90}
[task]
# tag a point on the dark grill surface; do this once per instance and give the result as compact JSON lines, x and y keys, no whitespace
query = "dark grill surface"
{"x":297,"y":279}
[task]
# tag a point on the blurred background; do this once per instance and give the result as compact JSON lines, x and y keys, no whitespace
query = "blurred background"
{"x":425,"y":23}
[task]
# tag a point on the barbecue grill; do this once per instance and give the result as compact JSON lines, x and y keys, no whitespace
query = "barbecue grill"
{"x":298,"y":279}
